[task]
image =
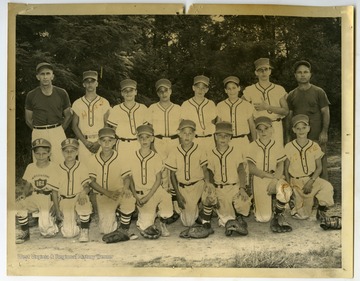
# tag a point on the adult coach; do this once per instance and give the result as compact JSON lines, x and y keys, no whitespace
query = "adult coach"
{"x":312,"y":101}
{"x":268,"y":99}
{"x":90,"y":113}
{"x":48,"y":110}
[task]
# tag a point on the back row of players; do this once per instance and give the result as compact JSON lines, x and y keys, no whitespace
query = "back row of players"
{"x":264,"y":103}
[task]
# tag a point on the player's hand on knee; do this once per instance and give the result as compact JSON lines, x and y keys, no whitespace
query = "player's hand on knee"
{"x":242,"y":194}
{"x":307,"y":188}
{"x":82,"y":198}
{"x":114,"y":195}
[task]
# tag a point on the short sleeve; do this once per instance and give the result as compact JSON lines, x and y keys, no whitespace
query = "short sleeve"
{"x":170,"y":162}
{"x":318,"y":153}
{"x":251,"y":154}
{"x":112,"y":117}
{"x":203,"y":158}
{"x":323,"y":99}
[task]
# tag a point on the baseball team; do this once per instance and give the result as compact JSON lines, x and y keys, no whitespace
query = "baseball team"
{"x":258,"y":153}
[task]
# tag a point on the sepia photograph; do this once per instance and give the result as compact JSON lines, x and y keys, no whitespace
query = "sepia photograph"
{"x":150,"y":140}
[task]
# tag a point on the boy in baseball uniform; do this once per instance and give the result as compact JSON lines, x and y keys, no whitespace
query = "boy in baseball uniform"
{"x":202,"y":111}
{"x":109,"y":173}
{"x":152,"y":199}
{"x":268,"y":99}
{"x":40,"y":193}
{"x":302,"y":170}
{"x":126,"y":117}
{"x":189,"y":176}
{"x":165,"y":118}
{"x":238,"y":112}
{"x":226,"y":164}
{"x":74,"y":189}
{"x":90,"y":113}
{"x":266,"y":163}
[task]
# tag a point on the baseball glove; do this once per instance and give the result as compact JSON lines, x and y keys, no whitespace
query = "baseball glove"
{"x":235,"y":226}
{"x":208,"y":197}
{"x":196,"y":231}
{"x":329,"y":223}
{"x":119,"y":235}
{"x":152,"y":232}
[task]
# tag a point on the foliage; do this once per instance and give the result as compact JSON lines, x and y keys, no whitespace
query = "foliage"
{"x":149,"y":47}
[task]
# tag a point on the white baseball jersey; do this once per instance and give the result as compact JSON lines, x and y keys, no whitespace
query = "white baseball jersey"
{"x":43,"y":179}
{"x":265,"y":157}
{"x":144,"y":169}
{"x":127,"y":120}
{"x":202,"y":114}
{"x":237,"y":114}
{"x":91,"y":114}
{"x":108,"y":174}
{"x":302,"y":159}
{"x":165,"y":121}
{"x":271,"y":95}
{"x":225,"y":165}
{"x":187,"y":164}
{"x":73,"y":179}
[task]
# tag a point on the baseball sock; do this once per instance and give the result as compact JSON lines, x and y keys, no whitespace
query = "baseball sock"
{"x":84,"y":221}
{"x":24,"y":223}
{"x":207,"y":211}
{"x":279,"y":207}
{"x":125,"y":220}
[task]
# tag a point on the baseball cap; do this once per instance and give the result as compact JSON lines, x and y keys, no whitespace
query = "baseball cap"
{"x":145,"y":129}
{"x":301,"y":62}
{"x":231,"y":79}
{"x":187,"y":124}
{"x":163,"y":83}
{"x":128,"y":83}
{"x":43,"y":65}
{"x":300,"y":118}
{"x":90,"y":74}
{"x":263,"y":120}
{"x":70,"y":142}
{"x":262,"y":62}
{"x":107,"y":132}
{"x":223,"y":127}
{"x":40,"y":143}
{"x":201,"y":79}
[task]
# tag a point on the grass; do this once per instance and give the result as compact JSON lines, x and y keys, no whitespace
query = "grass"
{"x":324,"y":257}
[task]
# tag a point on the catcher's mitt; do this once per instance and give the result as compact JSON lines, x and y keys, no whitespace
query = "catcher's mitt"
{"x":196,"y":231}
{"x":119,"y":235}
{"x":152,"y":232}
{"x":329,"y":223}
{"x":208,"y":197}
{"x":236,"y":226}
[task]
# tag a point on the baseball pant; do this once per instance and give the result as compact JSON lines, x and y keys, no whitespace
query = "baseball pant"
{"x":278,"y":134}
{"x":262,"y":200}
{"x":163,"y":147}
{"x":55,"y":136}
{"x":127,"y":147}
{"x":84,"y":153}
{"x":107,"y":208}
{"x":228,"y":204}
{"x":191,"y":194}
{"x":70,"y":209}
{"x":158,"y":205}
{"x":321,"y":189}
{"x":42,"y":204}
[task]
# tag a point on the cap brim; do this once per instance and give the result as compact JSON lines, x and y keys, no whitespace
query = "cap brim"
{"x":107,"y":136}
{"x":301,"y":121}
{"x":263,"y":123}
{"x":264,"y":65}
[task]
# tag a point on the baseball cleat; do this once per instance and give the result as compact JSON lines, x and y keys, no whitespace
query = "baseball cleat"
{"x":22,"y":236}
{"x":278,"y":224}
{"x":84,"y":235}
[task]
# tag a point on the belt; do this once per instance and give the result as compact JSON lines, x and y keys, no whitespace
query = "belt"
{"x":239,"y":136}
{"x":91,"y":136}
{"x":140,"y":192}
{"x":224,"y":184}
{"x":38,"y":191}
{"x":68,"y":197}
{"x":277,"y":120}
{"x":308,"y":176}
{"x":45,"y":127}
{"x":206,"y":136}
{"x":166,"y":137}
{"x":128,"y":140}
{"x":187,"y":184}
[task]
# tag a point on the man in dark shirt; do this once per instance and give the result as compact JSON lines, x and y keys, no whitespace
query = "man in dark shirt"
{"x":312,"y":101}
{"x":48,"y":110}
